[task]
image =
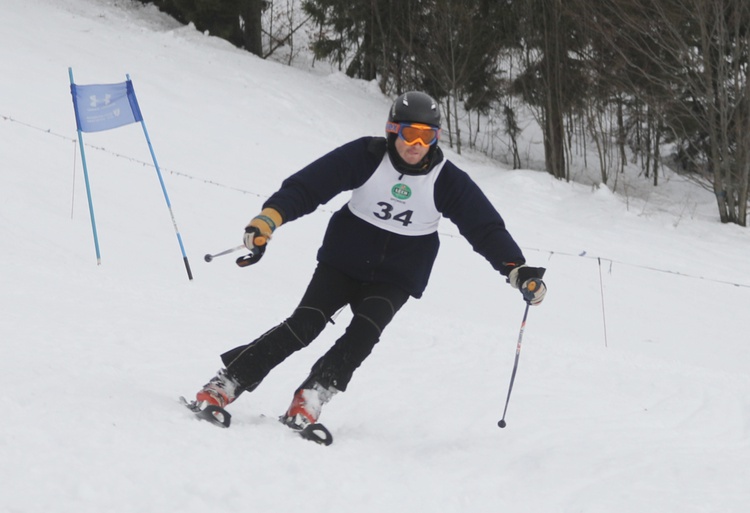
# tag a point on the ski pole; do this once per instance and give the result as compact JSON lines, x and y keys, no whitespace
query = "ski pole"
{"x":501,"y":423}
{"x":210,"y":257}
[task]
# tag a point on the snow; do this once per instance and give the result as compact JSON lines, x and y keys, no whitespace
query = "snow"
{"x":633,"y":388}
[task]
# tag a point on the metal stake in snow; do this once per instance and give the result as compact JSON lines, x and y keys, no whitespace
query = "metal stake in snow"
{"x":501,"y":423}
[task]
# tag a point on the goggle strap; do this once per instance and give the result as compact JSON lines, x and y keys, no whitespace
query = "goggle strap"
{"x":392,"y":127}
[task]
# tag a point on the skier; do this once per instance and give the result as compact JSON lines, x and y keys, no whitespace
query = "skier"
{"x":378,"y":250}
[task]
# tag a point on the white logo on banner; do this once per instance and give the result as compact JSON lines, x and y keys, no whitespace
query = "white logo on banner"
{"x":96,"y":102}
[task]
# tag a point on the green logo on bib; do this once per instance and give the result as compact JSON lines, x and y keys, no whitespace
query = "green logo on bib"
{"x":401,"y":191}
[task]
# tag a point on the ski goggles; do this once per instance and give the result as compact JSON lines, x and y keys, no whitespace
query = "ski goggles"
{"x":414,"y":133}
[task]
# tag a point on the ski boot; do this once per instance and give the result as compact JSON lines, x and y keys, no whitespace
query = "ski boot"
{"x":210,"y":401}
{"x":220,"y":391}
{"x":307,"y":405}
{"x":302,"y":415}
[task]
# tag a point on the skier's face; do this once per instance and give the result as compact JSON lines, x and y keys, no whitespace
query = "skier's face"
{"x":411,"y":154}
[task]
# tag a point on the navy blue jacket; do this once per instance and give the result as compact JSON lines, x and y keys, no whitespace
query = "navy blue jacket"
{"x":368,"y":253}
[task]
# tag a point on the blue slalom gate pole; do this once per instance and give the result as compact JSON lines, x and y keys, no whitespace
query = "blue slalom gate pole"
{"x":166,"y":196}
{"x":88,"y":187}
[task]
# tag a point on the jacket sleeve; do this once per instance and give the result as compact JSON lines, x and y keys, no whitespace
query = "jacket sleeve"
{"x":461,"y":200}
{"x":345,"y":168}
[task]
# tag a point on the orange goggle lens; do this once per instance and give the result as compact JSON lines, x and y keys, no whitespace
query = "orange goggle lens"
{"x":414,"y":133}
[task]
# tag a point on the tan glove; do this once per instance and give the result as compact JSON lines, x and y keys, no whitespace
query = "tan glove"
{"x":260,"y":229}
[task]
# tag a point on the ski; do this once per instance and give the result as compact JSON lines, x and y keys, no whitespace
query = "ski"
{"x":213,"y":414}
{"x":217,"y":416}
{"x":317,"y":432}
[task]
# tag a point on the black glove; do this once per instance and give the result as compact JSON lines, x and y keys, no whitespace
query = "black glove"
{"x":529,"y":281}
{"x":252,"y":236}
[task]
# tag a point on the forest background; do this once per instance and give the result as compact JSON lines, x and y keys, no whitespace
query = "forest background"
{"x":649,"y":83}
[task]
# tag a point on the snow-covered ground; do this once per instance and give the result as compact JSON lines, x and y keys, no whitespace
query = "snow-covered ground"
{"x":633,"y":389}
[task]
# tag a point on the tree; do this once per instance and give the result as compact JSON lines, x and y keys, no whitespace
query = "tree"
{"x":237,"y":21}
{"x":456,"y":54}
{"x":347,"y":34}
{"x":552,"y":79}
{"x":251,"y":13}
{"x":693,"y":57}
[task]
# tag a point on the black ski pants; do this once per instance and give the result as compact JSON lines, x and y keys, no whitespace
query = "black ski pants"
{"x":373,"y":305}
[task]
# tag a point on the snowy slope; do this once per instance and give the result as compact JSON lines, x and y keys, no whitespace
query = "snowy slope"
{"x":633,"y":391}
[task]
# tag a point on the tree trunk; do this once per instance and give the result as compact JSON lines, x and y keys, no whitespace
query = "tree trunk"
{"x":252,"y":11}
{"x":554,"y":132}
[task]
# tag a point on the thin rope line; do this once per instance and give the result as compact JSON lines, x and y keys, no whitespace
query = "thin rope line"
{"x":442,"y":234}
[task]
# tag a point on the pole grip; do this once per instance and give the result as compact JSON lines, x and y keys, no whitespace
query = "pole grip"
{"x":253,"y":257}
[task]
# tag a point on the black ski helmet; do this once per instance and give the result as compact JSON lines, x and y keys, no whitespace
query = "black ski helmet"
{"x":415,"y":107}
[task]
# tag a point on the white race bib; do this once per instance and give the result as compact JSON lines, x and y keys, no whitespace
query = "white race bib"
{"x":396,"y":202}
